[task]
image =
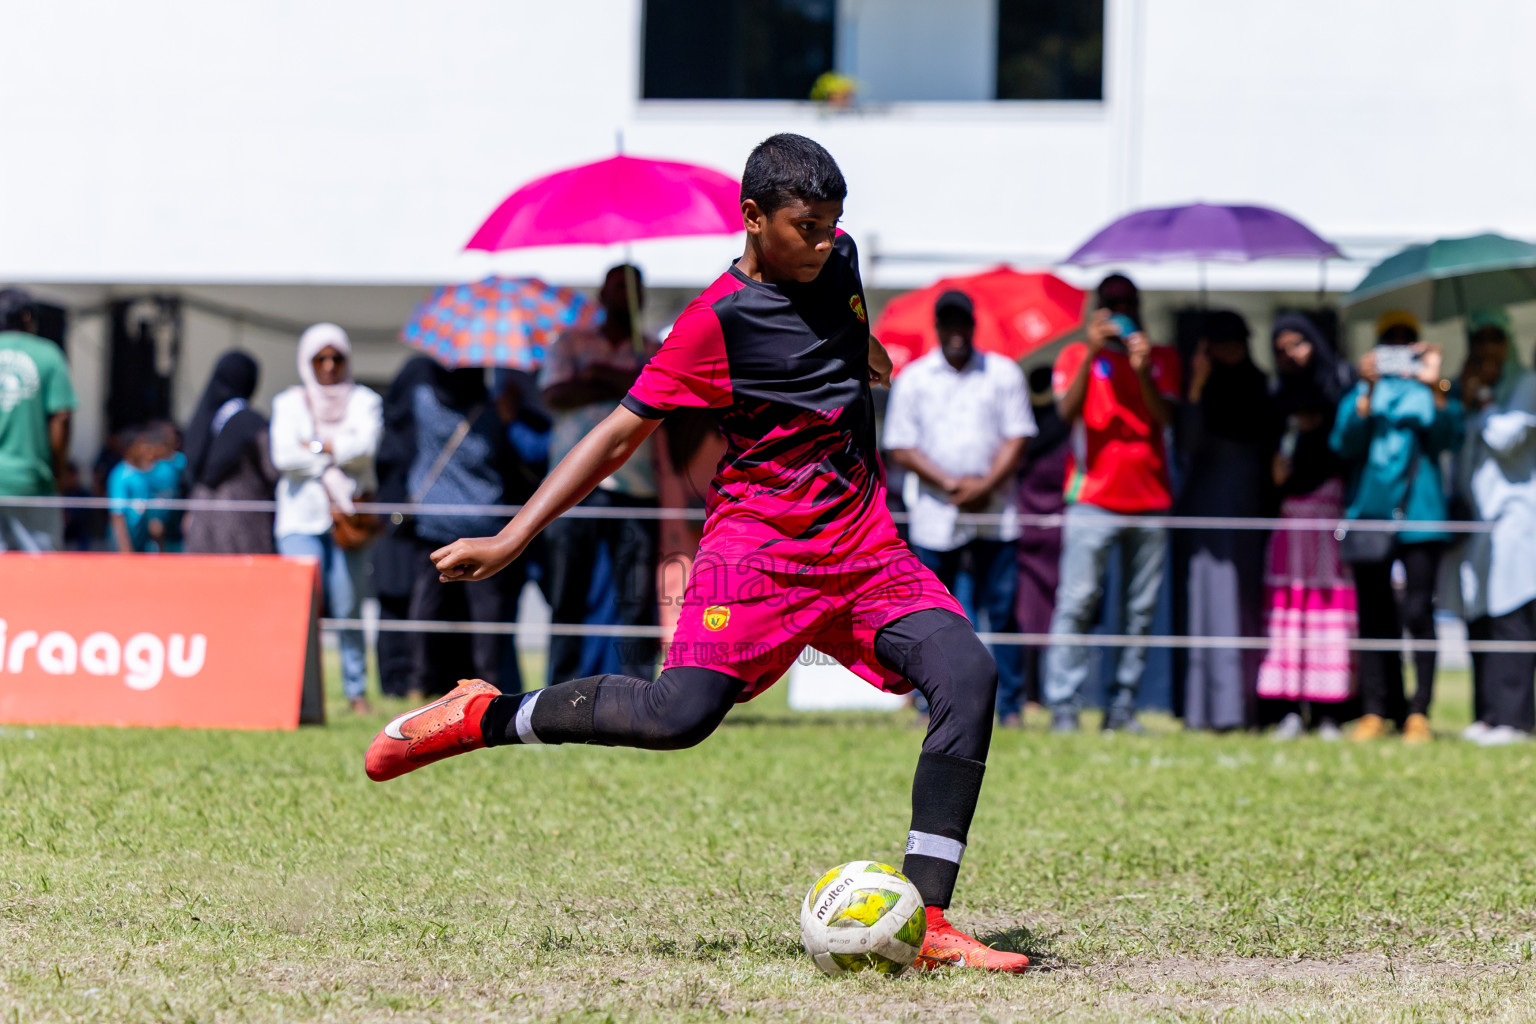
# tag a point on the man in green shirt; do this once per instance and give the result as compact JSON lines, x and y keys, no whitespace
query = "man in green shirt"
{"x":35,"y":401}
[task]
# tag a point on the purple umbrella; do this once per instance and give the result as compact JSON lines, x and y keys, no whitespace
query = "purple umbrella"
{"x":1203,"y":231}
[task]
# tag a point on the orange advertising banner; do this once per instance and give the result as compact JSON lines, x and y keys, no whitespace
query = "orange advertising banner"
{"x":200,"y":641}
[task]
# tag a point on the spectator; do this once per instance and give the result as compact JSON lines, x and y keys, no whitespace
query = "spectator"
{"x":399,"y":556}
{"x":1041,"y":475}
{"x":324,"y":435}
{"x":586,"y":372}
{"x":1391,"y":430}
{"x":463,"y":457}
{"x":1227,"y":432}
{"x":1310,"y":593}
{"x":228,"y":460}
{"x":521,"y":407}
{"x":958,"y":419}
{"x":1118,"y":394}
{"x":414,"y":664}
{"x":1499,"y":572}
{"x":151,"y":470}
{"x":36,"y":398}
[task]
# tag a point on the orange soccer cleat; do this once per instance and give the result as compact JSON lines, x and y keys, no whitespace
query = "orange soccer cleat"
{"x":947,"y":946}
{"x":447,"y":726}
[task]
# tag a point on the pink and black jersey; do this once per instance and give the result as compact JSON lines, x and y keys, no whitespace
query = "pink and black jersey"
{"x":786,"y":366}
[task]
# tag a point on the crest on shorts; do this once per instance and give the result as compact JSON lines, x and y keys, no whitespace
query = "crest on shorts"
{"x":856,"y":303}
{"x":716,"y":617}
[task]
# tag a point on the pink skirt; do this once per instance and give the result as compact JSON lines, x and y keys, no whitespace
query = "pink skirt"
{"x":1309,"y":634}
{"x":1310,"y":601}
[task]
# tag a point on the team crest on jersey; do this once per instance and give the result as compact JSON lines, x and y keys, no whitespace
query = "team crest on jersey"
{"x":716,"y":617}
{"x":856,"y":303}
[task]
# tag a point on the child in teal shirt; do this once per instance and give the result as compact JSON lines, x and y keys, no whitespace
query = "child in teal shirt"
{"x":151,"y":469}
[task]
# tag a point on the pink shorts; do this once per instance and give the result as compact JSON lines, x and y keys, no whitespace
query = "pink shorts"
{"x":751,"y":621}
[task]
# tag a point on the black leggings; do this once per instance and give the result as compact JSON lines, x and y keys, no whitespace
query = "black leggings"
{"x":1381,"y":672}
{"x":936,"y":650}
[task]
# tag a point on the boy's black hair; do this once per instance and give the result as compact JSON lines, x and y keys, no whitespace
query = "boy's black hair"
{"x":787,"y":167}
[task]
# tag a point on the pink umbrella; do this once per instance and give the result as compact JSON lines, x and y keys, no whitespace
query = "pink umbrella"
{"x":621,"y":199}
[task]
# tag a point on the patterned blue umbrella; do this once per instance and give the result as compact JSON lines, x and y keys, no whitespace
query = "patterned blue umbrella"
{"x":500,"y":321}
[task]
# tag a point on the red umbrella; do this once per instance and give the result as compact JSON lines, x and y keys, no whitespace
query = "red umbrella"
{"x":1015,"y":313}
{"x":621,"y":199}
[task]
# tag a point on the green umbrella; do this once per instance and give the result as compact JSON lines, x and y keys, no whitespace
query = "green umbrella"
{"x":1449,"y":277}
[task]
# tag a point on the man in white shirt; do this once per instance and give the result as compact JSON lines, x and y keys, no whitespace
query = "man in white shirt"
{"x":957,"y":421}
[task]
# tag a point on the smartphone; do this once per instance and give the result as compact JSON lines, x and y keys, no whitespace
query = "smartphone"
{"x":1124,"y":325}
{"x":1397,"y":361}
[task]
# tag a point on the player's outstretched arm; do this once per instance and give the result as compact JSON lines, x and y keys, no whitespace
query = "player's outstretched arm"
{"x":605,"y":449}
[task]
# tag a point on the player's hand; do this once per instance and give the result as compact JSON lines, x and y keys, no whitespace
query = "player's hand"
{"x":473,"y":558}
{"x":1140,"y":351}
{"x":879,"y":365}
{"x":1100,"y":331}
{"x":969,"y":490}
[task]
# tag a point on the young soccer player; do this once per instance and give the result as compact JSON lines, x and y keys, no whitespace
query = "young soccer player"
{"x":798,"y":546}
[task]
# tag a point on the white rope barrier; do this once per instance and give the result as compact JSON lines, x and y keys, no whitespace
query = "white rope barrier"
{"x":1105,"y":640}
{"x":1246,"y":643}
{"x":697,"y":514}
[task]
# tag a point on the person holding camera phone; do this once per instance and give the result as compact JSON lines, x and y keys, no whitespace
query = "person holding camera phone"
{"x":1390,"y":431}
{"x":1119,"y":393}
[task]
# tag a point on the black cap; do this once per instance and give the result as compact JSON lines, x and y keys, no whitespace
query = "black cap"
{"x":954,"y":303}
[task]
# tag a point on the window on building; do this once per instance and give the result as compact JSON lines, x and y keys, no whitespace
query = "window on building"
{"x":896,"y":50}
{"x":1050,"y":49}
{"x":736,"y":49}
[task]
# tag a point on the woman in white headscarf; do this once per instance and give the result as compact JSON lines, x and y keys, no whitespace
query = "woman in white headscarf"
{"x":325,"y":433}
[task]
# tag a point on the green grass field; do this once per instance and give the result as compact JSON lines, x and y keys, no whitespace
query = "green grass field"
{"x":210,"y":876}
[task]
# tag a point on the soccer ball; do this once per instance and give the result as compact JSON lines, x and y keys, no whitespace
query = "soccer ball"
{"x":863,"y":916}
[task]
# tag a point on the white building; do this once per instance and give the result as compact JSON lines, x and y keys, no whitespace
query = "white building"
{"x":277,"y":163}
